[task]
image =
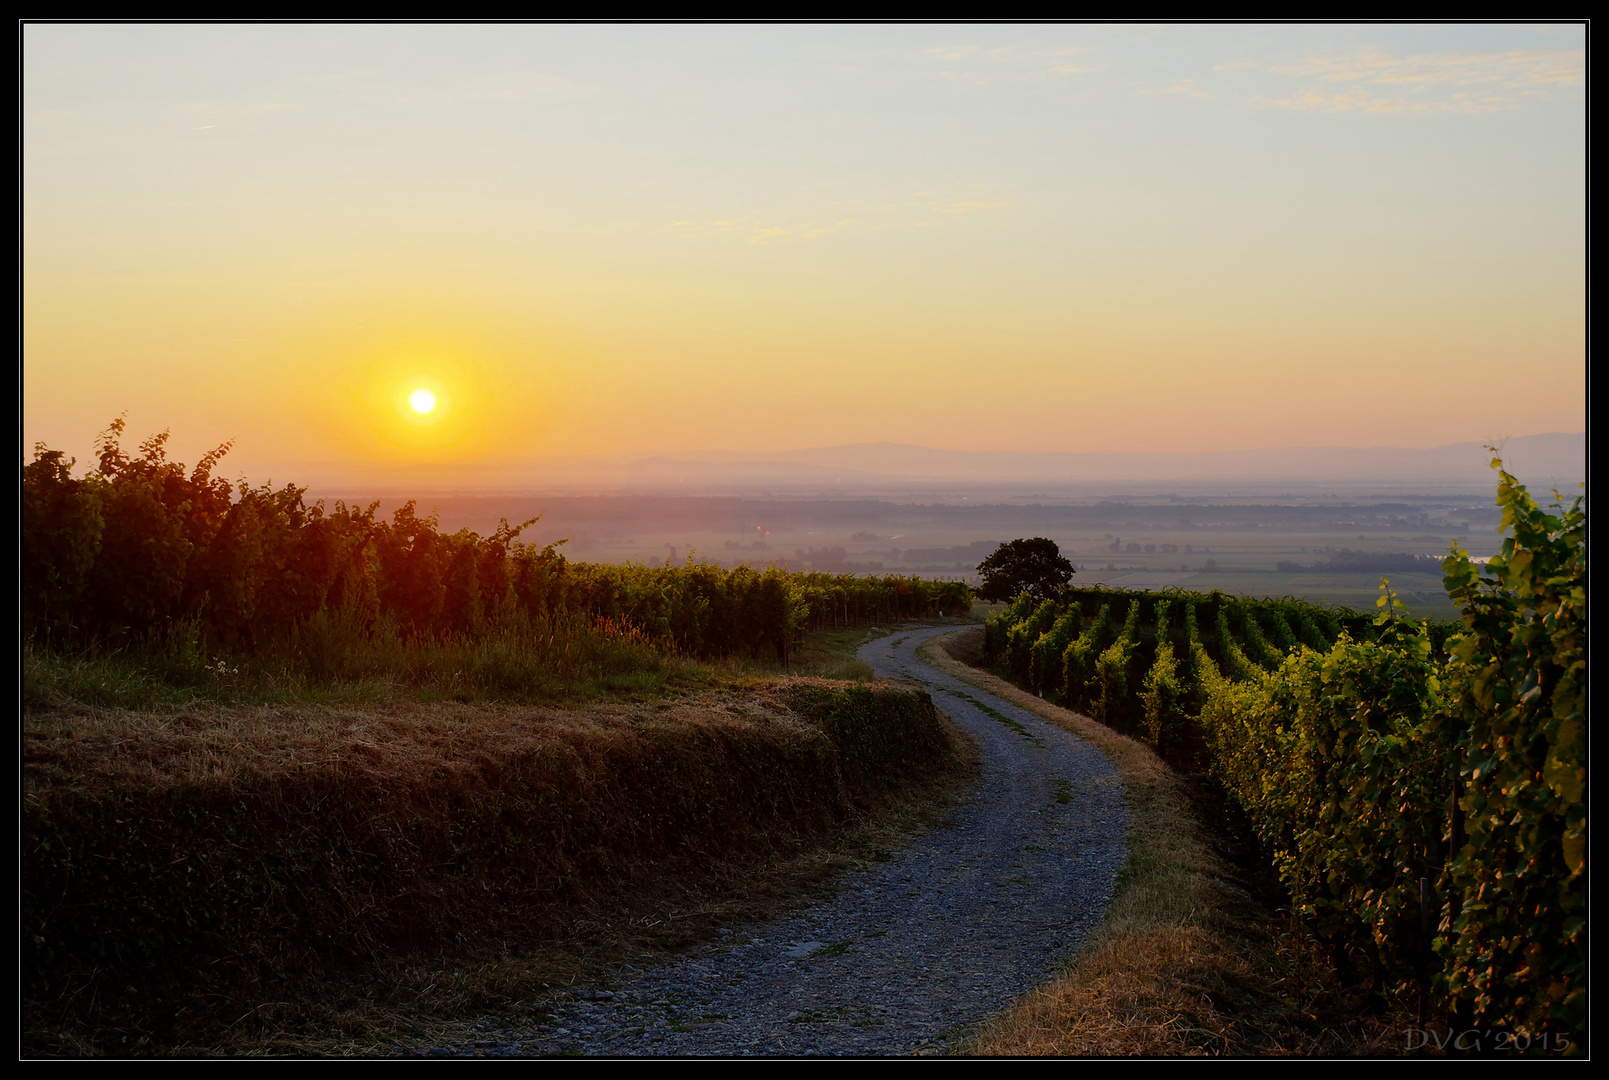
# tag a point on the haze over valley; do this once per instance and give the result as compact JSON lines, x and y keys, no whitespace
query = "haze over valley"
{"x":1324,"y":523}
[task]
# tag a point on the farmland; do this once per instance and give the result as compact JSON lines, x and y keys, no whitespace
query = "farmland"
{"x":1253,"y":545}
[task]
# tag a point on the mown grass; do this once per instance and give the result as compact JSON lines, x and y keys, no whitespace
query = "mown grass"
{"x":1196,"y":956}
{"x":830,"y":654}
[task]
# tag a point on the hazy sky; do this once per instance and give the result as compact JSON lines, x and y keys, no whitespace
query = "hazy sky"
{"x":603,"y":239}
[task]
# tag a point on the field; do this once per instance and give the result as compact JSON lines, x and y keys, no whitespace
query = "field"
{"x":1244,"y":539}
{"x":1423,"y":593}
{"x":1247,"y":564}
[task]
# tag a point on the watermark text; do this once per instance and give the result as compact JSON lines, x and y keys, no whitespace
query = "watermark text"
{"x":1487,"y":1040}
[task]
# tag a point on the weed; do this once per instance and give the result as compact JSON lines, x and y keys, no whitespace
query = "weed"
{"x":996,"y":715}
{"x":827,"y":952}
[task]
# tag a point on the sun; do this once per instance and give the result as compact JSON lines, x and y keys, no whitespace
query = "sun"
{"x":425,"y":405}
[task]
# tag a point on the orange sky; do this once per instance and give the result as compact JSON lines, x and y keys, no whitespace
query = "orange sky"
{"x":600,"y":240}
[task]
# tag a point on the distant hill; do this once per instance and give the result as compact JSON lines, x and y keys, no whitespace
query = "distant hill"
{"x":861,"y":469}
{"x":1558,"y":458}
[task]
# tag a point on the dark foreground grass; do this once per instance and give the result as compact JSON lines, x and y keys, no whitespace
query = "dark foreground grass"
{"x":307,"y":877}
{"x":309,"y":851}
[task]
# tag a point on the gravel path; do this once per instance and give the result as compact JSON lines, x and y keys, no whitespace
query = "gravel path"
{"x":907,"y":955}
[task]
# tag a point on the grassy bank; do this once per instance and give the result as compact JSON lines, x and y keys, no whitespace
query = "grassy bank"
{"x":208,"y":876}
{"x":1195,"y":957}
{"x":332,"y":661}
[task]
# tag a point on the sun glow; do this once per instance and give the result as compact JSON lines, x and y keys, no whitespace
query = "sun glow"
{"x":415,"y":384}
{"x":418,"y":401}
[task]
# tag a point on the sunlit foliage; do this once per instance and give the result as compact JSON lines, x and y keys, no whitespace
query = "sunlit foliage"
{"x":1420,"y":787}
{"x":137,"y":550}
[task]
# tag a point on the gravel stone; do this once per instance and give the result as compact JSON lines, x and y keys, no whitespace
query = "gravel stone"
{"x":906,"y":955}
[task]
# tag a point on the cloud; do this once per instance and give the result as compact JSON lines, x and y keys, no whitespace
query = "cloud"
{"x":796,"y":232}
{"x":950,"y":52}
{"x":1188,"y":88}
{"x":972,"y":206}
{"x":751,"y":228}
{"x":1356,"y":101}
{"x":528,"y":86}
{"x":230,"y":112}
{"x":811,"y":232}
{"x":1240,"y":65}
{"x":1516,"y":69}
{"x":1062,"y":63}
{"x":508,"y":88}
{"x":1429,"y":82}
{"x":922,"y":209}
{"x":974,"y":62}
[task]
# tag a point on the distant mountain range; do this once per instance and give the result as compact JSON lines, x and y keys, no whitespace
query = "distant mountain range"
{"x":858,"y":469}
{"x":1536,"y":455}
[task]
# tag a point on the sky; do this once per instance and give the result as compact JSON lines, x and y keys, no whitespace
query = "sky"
{"x":606,"y":240}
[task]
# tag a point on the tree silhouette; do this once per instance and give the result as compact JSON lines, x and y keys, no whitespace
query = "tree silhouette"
{"x":1032,"y":566}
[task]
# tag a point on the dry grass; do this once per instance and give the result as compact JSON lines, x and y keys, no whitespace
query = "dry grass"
{"x":1188,"y":961}
{"x":482,"y":940}
{"x":428,"y":1003}
{"x":399,"y":740}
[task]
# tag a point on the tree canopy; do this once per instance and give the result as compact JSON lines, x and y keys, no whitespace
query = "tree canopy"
{"x":1033,"y":566}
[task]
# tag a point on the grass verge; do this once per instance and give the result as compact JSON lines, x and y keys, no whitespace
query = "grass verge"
{"x":1190,"y":960}
{"x":332,"y":661}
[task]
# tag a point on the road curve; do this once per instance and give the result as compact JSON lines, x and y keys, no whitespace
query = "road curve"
{"x":906,"y":955}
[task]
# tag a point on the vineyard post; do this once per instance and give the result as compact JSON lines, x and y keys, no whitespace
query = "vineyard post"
{"x":1460,"y":1011}
{"x":1424,"y":951}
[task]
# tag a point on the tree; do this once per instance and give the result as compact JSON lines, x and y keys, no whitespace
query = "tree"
{"x":62,"y":525}
{"x":1032,"y":566}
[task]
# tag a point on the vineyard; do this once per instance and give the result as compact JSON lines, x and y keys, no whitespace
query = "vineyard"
{"x":1421,"y":788}
{"x":140,"y":551}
